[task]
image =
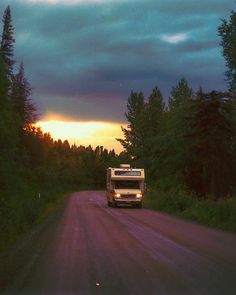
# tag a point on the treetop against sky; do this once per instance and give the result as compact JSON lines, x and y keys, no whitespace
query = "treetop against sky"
{"x":84,"y":57}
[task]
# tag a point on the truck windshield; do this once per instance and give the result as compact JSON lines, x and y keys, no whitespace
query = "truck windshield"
{"x":121,"y":184}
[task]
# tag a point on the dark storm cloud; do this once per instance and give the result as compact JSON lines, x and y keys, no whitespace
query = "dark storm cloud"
{"x":83,"y":60}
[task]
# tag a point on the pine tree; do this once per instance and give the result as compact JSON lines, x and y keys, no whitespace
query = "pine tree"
{"x":8,"y":135}
{"x":22,"y":103}
{"x":7,"y":42}
{"x":227,"y":32}
{"x":3,"y":83}
{"x":180,"y":95}
{"x":209,"y":166}
{"x":134,"y":135}
{"x":154,"y":115}
{"x":154,"y":112}
{"x":174,"y":141}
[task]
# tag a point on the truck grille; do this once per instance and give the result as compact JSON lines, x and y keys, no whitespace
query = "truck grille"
{"x":128,"y":196}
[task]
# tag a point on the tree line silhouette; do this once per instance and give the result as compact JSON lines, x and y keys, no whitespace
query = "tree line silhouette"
{"x":187,"y":144}
{"x":34,"y":168}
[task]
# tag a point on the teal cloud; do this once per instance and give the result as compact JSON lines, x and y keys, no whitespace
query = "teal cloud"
{"x":98,"y":53}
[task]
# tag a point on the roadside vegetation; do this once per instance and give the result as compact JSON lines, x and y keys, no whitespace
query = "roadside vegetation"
{"x":188,"y":145}
{"x":36,"y":171}
{"x":219,"y":214}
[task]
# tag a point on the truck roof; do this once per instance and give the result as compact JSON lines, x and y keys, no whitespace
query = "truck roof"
{"x":127,"y":173}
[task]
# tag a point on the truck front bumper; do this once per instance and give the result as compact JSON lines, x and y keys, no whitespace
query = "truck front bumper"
{"x":120,"y":201}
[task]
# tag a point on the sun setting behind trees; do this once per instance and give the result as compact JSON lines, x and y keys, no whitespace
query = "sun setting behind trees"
{"x":107,"y":83}
{"x":92,"y":133}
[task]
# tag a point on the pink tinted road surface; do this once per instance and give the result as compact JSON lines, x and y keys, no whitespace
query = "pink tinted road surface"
{"x":94,"y":249}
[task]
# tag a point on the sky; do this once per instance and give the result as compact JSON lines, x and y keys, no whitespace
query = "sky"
{"x":83,"y":57}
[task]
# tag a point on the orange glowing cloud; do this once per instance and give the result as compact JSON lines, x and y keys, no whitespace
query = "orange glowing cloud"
{"x":92,"y":133}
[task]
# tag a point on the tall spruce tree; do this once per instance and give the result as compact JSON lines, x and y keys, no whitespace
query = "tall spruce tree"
{"x":209,"y":165}
{"x":8,"y":136}
{"x":174,"y":141}
{"x":227,"y":32}
{"x":154,"y":127}
{"x":3,"y":84}
{"x":180,"y":96}
{"x":134,"y":135}
{"x":7,"y":42}
{"x":154,"y":112}
{"x":23,"y":107}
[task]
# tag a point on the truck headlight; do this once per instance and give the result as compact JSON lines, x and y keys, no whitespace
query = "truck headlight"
{"x":139,"y":196}
{"x":117,"y":195}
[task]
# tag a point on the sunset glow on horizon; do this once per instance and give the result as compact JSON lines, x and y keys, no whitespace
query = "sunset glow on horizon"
{"x":92,"y":133}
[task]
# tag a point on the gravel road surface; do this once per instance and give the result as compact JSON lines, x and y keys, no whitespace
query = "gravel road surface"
{"x":92,"y":249}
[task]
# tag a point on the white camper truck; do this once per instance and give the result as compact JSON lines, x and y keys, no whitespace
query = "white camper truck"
{"x":125,"y":185}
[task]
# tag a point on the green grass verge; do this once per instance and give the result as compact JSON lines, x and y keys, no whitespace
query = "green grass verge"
{"x":23,"y":212}
{"x":220,"y":214}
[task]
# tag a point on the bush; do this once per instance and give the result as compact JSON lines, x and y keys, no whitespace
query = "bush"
{"x":20,"y":212}
{"x":220,"y":214}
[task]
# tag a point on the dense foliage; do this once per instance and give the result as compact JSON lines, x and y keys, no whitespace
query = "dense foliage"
{"x":227,"y":32}
{"x":188,"y":145}
{"x":35,"y":169}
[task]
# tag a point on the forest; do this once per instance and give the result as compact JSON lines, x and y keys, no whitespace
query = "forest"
{"x":187,"y":145}
{"x":35,"y":170}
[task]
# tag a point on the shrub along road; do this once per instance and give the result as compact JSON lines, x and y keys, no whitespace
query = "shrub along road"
{"x":92,"y":249}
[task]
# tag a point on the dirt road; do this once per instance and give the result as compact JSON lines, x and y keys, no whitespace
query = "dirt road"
{"x":93,"y":249}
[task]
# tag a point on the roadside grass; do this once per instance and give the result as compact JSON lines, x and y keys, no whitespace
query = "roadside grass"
{"x":26,"y":210}
{"x":218,"y":214}
{"x":52,"y":205}
{"x":22,"y":214}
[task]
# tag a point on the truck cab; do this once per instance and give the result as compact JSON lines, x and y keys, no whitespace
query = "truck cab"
{"x":125,"y":185}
